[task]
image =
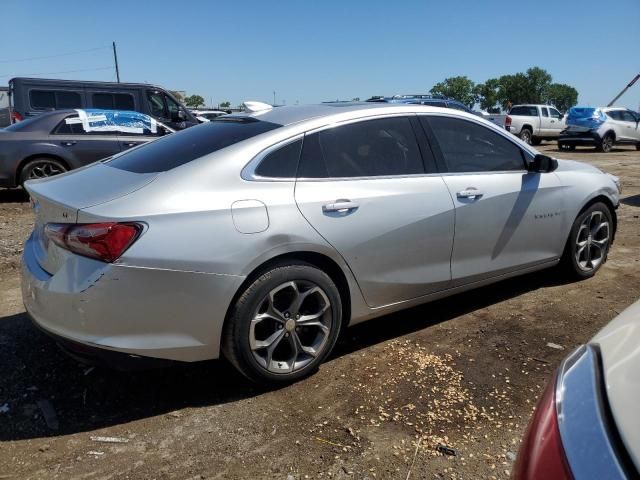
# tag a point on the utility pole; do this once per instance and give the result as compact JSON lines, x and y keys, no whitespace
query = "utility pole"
{"x":635,"y":79}
{"x":115,"y":59}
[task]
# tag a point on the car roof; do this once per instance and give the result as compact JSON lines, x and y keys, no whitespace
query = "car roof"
{"x":288,"y":115}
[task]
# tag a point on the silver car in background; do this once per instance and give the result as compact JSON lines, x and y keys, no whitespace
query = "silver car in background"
{"x":258,"y":236}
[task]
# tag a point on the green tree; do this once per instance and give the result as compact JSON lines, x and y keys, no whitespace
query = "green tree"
{"x":461,"y":88}
{"x":194,"y":101}
{"x":539,"y":81}
{"x":226,"y":104}
{"x":514,"y":89}
{"x":486,"y":93}
{"x":561,"y":95}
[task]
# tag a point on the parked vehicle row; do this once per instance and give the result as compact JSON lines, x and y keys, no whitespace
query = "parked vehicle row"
{"x":57,"y":141}
{"x":423,"y":99}
{"x":257,"y":236}
{"x":600,"y":127}
{"x":207,"y":115}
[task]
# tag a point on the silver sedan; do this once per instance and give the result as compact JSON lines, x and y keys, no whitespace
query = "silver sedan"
{"x":258,"y":236}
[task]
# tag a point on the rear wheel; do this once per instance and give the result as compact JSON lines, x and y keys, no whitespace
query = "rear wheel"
{"x":526,"y":136}
{"x":589,"y":241}
{"x":284,"y":324}
{"x":606,"y":144}
{"x":41,"y":168}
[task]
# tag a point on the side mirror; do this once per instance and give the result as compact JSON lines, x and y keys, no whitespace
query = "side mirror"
{"x":177,"y":116}
{"x":542,"y":164}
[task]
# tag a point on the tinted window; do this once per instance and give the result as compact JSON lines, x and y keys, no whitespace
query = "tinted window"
{"x":545,"y":112}
{"x":111,"y":101}
{"x":156,"y":102}
{"x":183,"y":147}
{"x":628,"y":117}
{"x":173,"y":108}
{"x":42,"y":99}
{"x":524,"y":111}
{"x":555,"y":113}
{"x":281,"y":163}
{"x":48,"y":99}
{"x":615,"y":114}
{"x":370,"y":148}
{"x":469,"y":147}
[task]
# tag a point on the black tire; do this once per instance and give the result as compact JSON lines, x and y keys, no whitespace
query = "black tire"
{"x":606,"y":144}
{"x":536,"y":141}
{"x":41,"y":167}
{"x":238,"y":331}
{"x":526,"y":135}
{"x":569,"y":260}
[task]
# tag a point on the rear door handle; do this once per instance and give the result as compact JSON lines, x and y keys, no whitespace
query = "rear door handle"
{"x":469,"y":192}
{"x":340,"y":205}
{"x":68,"y":143}
{"x":130,"y":144}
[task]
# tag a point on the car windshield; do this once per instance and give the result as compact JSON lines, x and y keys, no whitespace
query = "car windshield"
{"x":185,"y":146}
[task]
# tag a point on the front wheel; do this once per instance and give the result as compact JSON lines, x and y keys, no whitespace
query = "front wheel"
{"x":284,"y":324}
{"x":589,"y":241}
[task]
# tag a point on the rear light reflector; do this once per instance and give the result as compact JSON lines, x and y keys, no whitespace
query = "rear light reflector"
{"x":16,"y":117}
{"x":541,"y":453}
{"x":102,"y":241}
{"x":507,"y":121}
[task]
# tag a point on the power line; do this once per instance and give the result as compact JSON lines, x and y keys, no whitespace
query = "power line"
{"x":56,"y":73}
{"x":55,"y":56}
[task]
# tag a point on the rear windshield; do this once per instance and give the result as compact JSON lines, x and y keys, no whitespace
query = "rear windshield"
{"x":182,"y":147}
{"x":582,"y":112}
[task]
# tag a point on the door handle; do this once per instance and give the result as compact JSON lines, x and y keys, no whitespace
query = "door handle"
{"x":340,"y":205}
{"x":130,"y":144}
{"x":469,"y":192}
{"x":69,"y":143}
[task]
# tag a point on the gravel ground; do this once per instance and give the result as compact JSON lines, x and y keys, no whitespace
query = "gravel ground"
{"x":464,"y":372}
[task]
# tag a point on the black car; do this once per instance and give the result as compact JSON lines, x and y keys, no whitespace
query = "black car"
{"x":57,"y":141}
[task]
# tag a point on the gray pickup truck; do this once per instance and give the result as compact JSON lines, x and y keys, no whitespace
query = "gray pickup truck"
{"x":534,"y":123}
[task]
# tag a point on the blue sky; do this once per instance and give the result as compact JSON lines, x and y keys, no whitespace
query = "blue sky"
{"x":314,"y":51}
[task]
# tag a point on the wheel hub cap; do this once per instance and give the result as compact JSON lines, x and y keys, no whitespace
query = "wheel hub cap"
{"x":592,"y":241}
{"x":291,"y":326}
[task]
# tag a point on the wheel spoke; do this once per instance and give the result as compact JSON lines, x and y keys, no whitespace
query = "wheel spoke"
{"x":272,"y":341}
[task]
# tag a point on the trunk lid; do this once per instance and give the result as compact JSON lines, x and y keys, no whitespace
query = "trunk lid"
{"x":58,"y":200}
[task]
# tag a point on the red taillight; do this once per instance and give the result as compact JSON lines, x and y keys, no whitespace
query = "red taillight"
{"x":541,"y":454}
{"x":507,"y":121}
{"x":104,"y":241}
{"x":16,"y":117}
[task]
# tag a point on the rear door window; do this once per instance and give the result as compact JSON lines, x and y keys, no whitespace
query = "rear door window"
{"x":195,"y":142}
{"x":281,"y":163}
{"x":545,"y":112}
{"x":469,"y":147}
{"x":628,"y":117}
{"x":370,"y":148}
{"x":54,"y":99}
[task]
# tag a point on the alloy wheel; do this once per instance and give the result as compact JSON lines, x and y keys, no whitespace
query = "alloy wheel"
{"x":607,"y":144}
{"x":291,"y":326}
{"x":44,"y":170}
{"x":592,"y":241}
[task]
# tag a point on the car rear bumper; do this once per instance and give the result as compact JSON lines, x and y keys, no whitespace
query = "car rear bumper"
{"x":146,"y":312}
{"x":580,"y":138}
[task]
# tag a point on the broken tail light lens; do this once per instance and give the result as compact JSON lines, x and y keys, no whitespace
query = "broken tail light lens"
{"x":541,"y":453}
{"x":102,"y":241}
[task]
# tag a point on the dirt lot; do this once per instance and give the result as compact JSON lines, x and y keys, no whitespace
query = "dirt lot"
{"x":465,"y":372}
